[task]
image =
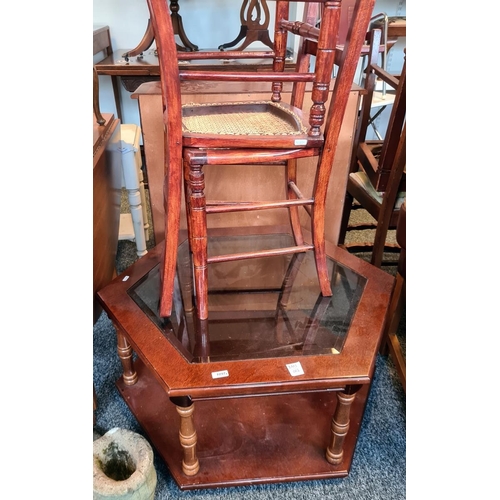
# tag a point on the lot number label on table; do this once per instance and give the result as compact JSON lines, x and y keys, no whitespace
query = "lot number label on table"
{"x":220,"y":374}
{"x":295,"y":369}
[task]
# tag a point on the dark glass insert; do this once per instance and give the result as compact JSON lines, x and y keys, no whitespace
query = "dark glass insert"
{"x":258,"y":308}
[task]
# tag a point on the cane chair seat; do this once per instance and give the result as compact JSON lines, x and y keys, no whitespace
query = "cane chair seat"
{"x":243,"y":118}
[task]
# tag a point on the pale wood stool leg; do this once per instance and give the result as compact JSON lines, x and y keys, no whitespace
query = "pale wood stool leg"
{"x":142,"y":191}
{"x":340,"y":424}
{"x":125,"y":354}
{"x":187,"y":435}
{"x":136,"y":211}
{"x":133,"y":181}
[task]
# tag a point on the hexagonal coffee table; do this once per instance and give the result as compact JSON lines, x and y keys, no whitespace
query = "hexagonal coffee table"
{"x":273,"y":386}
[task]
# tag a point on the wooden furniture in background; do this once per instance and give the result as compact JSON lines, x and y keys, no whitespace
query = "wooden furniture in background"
{"x":252,"y":28}
{"x":107,"y":184}
{"x":149,"y":35}
{"x":392,"y":28}
{"x":146,"y":42}
{"x":390,"y":341}
{"x":102,"y":43}
{"x":107,"y":176}
{"x":377,"y":179}
{"x":376,"y":157}
{"x":95,"y":99}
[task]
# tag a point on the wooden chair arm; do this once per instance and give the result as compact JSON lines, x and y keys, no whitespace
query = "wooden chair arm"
{"x":367,"y":159}
{"x":391,"y":80}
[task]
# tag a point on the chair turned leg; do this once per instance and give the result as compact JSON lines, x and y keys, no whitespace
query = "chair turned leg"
{"x":340,"y":424}
{"x":125,"y":354}
{"x":198,"y":236}
{"x":187,"y":201}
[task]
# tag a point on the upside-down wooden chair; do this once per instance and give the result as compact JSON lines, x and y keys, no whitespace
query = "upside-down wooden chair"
{"x":271,"y":133}
{"x":377,"y":179}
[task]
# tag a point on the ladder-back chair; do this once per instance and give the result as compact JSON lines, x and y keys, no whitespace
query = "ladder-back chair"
{"x":377,"y":179}
{"x":271,"y":133}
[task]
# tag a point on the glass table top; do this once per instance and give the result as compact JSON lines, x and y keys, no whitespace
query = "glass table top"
{"x":258,"y":308}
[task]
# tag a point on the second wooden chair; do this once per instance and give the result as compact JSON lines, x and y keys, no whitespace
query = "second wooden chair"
{"x":377,"y":180}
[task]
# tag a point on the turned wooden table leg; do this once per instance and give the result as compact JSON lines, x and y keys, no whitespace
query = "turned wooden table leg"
{"x":340,"y":424}
{"x":187,"y":435}
{"x":125,"y":353}
{"x":198,"y":235}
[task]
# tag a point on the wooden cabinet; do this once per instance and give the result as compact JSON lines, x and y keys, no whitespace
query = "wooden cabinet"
{"x":255,"y":182}
{"x":107,"y":182}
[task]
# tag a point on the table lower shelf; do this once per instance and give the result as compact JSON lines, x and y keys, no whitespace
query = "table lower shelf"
{"x":243,"y":441}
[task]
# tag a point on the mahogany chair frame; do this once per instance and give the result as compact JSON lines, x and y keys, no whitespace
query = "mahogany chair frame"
{"x":196,"y":151}
{"x":386,"y":171}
